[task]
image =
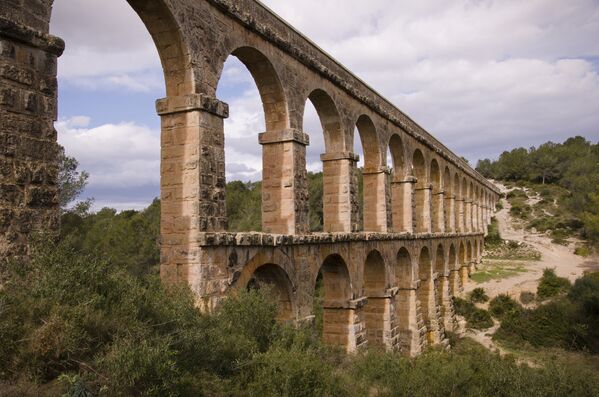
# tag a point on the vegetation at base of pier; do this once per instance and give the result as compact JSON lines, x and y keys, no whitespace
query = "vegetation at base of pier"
{"x":77,"y":324}
{"x":563,"y":180}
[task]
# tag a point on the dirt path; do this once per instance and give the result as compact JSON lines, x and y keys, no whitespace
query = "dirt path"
{"x":558,"y":257}
{"x":555,"y":256}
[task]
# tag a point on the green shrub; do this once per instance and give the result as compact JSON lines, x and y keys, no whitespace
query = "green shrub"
{"x":493,"y":237}
{"x":503,"y":305}
{"x":527,"y":297}
{"x":551,"y":285}
{"x":476,"y":318}
{"x":478,"y":295}
{"x":582,"y":250}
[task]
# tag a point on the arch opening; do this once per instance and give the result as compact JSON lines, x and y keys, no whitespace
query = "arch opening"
{"x":375,"y":285}
{"x":331,"y":299}
{"x":437,"y":216}
{"x":422,"y":213}
{"x":276,"y":280}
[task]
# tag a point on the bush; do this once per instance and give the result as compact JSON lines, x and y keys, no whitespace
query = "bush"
{"x":476,"y":318}
{"x":502,"y":305}
{"x":527,"y":297}
{"x":582,"y":250}
{"x":493,"y":237}
{"x":551,"y":285}
{"x":570,"y":322}
{"x":478,"y":295}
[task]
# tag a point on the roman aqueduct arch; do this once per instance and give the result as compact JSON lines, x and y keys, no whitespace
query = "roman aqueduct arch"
{"x":425,"y":214}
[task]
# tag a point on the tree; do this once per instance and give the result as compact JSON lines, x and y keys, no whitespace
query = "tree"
{"x":71,"y":181}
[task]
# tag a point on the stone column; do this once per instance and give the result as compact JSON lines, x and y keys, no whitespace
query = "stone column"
{"x":447,"y":313}
{"x":468,"y":216}
{"x":464,"y":274}
{"x":426,"y":296}
{"x":412,"y":331}
{"x":402,"y":193}
{"x":375,"y":199}
{"x":337,"y":200}
{"x":381,"y":320}
{"x":450,"y":225}
{"x":455,"y":283}
{"x":192,"y":184}
{"x":343,"y":324}
{"x":284,"y":182}
{"x":28,"y":149}
{"x":475,"y":216}
{"x":438,"y":211}
{"x":460,"y":215}
{"x":422,"y":198}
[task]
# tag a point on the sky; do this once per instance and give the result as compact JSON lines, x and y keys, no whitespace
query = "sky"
{"x":482,"y":76}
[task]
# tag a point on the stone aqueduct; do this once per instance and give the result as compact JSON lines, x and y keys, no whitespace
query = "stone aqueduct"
{"x":425,"y":214}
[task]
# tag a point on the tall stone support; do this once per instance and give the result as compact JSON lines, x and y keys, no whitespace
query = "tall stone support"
{"x":455,"y":282}
{"x":402,"y":193}
{"x":381,"y":321}
{"x":476,"y":217}
{"x":192,"y":182}
{"x":464,"y":274}
{"x":375,"y":199}
{"x":450,"y":218}
{"x":337,"y":191}
{"x":28,"y":149}
{"x":284,"y":182}
{"x":422,"y":210}
{"x":447,"y":314}
{"x":468,"y":216}
{"x":428,"y":303}
{"x":438,"y":212}
{"x":344,"y":325}
{"x":460,"y":215}
{"x":412,"y":331}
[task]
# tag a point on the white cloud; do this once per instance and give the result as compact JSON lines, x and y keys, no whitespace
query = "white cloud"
{"x":481,"y":75}
{"x":117,"y":156}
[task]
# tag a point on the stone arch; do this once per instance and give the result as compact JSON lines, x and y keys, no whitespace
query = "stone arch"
{"x":437,"y":216}
{"x":370,"y":142}
{"x":375,"y":285}
{"x":449,"y":207}
{"x":174,"y":52}
{"x":424,"y":264}
{"x":401,"y":189}
{"x":332,"y":296}
{"x":273,"y":276}
{"x":397,"y":154}
{"x":422,"y":215}
{"x":375,"y":217}
{"x":440,"y":260}
{"x":468,"y":252}
{"x":426,"y":295}
{"x":453,"y":259}
{"x":272,"y":94}
{"x":336,"y":167}
{"x":328,"y":114}
{"x":459,"y":204}
{"x":462,"y":258}
{"x":404,"y":269}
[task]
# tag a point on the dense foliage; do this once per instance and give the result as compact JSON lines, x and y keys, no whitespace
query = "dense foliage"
{"x":572,"y":166}
{"x":569,"y":321}
{"x":85,"y":326}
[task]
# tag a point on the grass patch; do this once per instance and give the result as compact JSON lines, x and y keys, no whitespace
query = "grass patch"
{"x":513,"y":250}
{"x":497,"y":271}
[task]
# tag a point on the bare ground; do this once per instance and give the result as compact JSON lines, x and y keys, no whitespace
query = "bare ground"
{"x":555,"y":256}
